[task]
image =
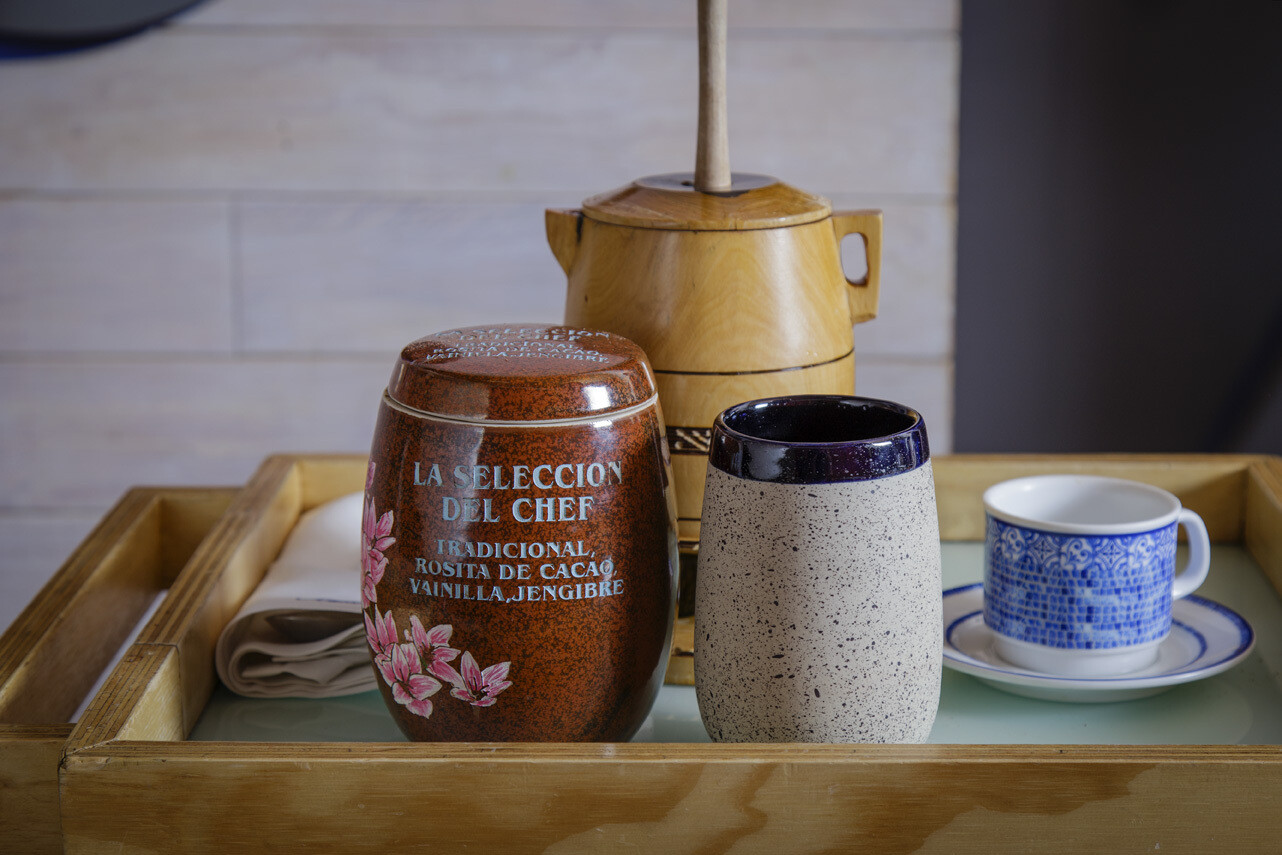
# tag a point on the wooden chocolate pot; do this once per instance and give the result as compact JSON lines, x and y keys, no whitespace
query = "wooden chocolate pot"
{"x":732,"y":284}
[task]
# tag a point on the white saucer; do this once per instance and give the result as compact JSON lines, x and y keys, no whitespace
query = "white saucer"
{"x":1206,"y":638}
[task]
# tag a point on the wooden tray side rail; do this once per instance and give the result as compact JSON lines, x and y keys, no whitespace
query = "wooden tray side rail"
{"x":54,"y":652}
{"x":232,"y":561}
{"x":1262,"y":533}
{"x":671,"y":798}
{"x":131,"y":783}
{"x":1212,"y":485}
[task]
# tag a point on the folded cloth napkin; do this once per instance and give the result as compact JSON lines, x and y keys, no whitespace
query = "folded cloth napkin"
{"x":300,"y":634}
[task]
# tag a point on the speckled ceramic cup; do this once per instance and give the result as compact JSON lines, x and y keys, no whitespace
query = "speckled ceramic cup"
{"x":519,"y":564}
{"x":817,"y":602}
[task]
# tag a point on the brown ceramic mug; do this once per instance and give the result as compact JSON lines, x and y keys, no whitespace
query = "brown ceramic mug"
{"x":519,"y":564}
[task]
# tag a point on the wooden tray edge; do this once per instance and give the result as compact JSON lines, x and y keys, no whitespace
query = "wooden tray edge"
{"x":672,"y":795}
{"x":139,"y":545}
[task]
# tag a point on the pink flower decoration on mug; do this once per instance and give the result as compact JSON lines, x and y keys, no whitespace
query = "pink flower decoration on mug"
{"x":402,"y":664}
{"x":381,"y":631}
{"x":433,"y":645}
{"x":370,"y":577}
{"x":404,"y":673}
{"x":478,"y":687}
{"x":376,"y":537}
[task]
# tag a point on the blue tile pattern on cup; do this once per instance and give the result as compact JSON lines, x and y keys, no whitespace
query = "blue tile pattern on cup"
{"x":1078,"y":592}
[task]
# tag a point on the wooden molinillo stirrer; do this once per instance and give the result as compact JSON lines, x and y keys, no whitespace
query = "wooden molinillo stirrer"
{"x":712,"y":158}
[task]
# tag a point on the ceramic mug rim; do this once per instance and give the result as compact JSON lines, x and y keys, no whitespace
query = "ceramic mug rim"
{"x":879,"y":454}
{"x":997,"y":500}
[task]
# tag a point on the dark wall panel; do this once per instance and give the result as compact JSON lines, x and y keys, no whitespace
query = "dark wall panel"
{"x":1120,"y":226}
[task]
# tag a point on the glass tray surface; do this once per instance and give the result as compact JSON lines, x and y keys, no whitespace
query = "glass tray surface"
{"x":1240,"y":706}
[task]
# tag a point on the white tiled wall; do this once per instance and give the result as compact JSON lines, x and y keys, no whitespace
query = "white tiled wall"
{"x":215,"y":236}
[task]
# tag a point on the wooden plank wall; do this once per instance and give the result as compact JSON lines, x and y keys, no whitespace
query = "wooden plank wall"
{"x":215,"y":236}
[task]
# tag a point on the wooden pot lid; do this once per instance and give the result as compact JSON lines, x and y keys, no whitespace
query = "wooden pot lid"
{"x":521,"y":373}
{"x":671,"y":202}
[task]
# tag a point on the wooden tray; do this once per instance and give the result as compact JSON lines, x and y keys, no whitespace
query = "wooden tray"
{"x":52,"y":655}
{"x":132,"y":782}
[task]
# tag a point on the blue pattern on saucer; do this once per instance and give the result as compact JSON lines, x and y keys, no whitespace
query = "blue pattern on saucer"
{"x":1078,"y":592}
{"x":1207,"y":638}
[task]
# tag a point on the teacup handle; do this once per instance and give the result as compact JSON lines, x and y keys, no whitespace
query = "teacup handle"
{"x":864,"y":294}
{"x":1194,"y":573}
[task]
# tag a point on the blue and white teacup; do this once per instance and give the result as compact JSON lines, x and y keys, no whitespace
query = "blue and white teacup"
{"x":1079,"y":571}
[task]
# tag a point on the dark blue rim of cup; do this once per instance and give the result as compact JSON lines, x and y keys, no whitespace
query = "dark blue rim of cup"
{"x":818,"y":439}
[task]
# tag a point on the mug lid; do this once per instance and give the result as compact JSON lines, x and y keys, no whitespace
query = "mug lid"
{"x":521,"y":372}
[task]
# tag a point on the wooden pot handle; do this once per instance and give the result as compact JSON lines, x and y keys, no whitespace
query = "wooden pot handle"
{"x":865,"y":293}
